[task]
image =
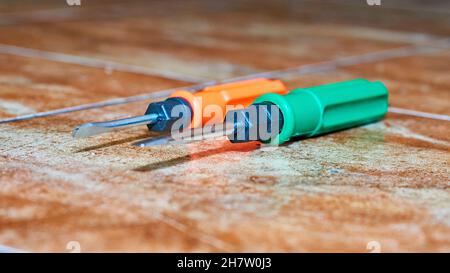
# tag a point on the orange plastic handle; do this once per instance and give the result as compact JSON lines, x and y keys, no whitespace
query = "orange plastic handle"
{"x":211,"y":104}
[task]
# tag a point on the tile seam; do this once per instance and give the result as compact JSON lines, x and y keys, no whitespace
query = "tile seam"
{"x":321,"y":67}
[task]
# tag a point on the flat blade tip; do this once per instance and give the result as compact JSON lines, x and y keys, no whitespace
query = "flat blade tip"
{"x":76,"y":133}
{"x":85,"y":130}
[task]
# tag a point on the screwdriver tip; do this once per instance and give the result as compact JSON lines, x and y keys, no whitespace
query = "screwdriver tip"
{"x":95,"y":128}
{"x":87,"y":130}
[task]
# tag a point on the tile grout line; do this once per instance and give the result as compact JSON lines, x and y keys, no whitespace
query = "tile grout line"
{"x":420,"y":114}
{"x":93,"y":62}
{"x":320,"y":67}
{"x":332,"y":65}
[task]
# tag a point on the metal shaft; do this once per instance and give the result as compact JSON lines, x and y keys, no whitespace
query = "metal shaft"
{"x":94,"y":128}
{"x":193,"y":135}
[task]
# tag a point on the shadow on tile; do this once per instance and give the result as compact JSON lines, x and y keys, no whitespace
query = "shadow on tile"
{"x":228,"y":147}
{"x":113,"y":143}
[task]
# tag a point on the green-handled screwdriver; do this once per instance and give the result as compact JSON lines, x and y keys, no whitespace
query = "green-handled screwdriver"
{"x":303,"y":112}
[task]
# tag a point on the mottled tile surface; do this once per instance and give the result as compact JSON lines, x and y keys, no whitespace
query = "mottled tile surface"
{"x":205,"y":41}
{"x":30,"y":85}
{"x":385,"y":184}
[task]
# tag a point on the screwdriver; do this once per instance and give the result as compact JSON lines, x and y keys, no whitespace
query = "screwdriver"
{"x":190,"y":107}
{"x":302,"y":113}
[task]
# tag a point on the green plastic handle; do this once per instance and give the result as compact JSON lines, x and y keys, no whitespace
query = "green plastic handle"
{"x":327,"y":108}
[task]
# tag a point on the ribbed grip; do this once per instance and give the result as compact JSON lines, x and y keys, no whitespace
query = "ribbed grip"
{"x":327,"y":108}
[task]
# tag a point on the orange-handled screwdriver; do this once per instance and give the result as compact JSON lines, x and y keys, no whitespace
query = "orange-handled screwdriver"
{"x":193,"y":109}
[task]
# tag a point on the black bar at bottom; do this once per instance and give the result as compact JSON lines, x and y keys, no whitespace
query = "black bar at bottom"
{"x":221,"y":262}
